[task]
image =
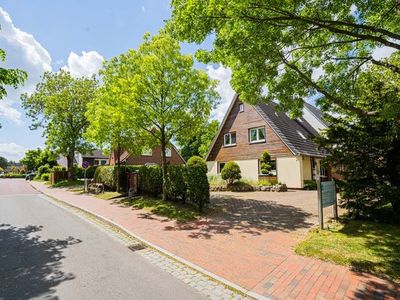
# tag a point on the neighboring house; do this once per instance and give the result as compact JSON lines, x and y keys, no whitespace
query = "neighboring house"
{"x":94,"y":158}
{"x":148,"y":157}
{"x":248,"y":130}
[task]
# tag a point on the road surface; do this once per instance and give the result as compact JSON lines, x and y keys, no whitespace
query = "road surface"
{"x":48,"y":252}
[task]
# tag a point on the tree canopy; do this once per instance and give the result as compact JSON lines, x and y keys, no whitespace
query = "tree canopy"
{"x":162,"y":96}
{"x":58,"y":105}
{"x":290,"y":50}
{"x":3,"y":162}
{"x":35,"y":158}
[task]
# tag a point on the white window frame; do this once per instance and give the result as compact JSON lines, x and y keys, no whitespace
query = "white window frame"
{"x":241,"y":107}
{"x":168,"y":152}
{"x":258,"y":140}
{"x":230,"y":139}
{"x":147,"y":152}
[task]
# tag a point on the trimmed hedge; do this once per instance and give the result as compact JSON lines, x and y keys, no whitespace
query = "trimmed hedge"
{"x":13,"y":175}
{"x":184,"y":183}
{"x":45,"y":176}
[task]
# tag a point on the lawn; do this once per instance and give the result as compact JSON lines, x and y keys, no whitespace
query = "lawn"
{"x":363,"y":245}
{"x":68,"y":183}
{"x":171,"y":210}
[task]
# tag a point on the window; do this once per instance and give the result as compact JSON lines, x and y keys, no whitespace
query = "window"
{"x":241,"y":107}
{"x":100,"y":162}
{"x":257,"y":135}
{"x":230,"y":139}
{"x":147,"y":152}
{"x":168,"y":152}
{"x":272,"y":172}
{"x":220,"y":167}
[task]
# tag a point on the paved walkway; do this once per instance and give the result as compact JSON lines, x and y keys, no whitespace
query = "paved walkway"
{"x":249,"y":243}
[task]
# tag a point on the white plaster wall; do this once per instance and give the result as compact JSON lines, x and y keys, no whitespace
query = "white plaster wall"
{"x":249,"y":168}
{"x":290,"y":171}
{"x":212,"y":167}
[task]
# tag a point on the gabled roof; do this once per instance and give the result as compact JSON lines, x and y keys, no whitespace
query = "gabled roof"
{"x":295,"y":134}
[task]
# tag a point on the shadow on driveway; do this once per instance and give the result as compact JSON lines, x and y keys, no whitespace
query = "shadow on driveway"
{"x":247,"y":216}
{"x":30,"y":267}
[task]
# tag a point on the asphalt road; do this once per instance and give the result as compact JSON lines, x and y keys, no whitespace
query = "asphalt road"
{"x":47,"y":252}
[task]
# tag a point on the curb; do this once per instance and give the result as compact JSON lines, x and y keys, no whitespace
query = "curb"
{"x":163,"y":251}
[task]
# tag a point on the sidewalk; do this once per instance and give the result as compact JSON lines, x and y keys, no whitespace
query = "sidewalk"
{"x":260,"y":261}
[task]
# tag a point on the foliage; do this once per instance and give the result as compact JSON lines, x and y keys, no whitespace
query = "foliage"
{"x":58,"y":169}
{"x":9,"y":77}
{"x":150,"y":180}
{"x":68,"y":183}
{"x":215,"y":180}
{"x":160,"y":93}
{"x":231,"y":172}
{"x":294,"y":49}
{"x":3,"y":162}
{"x":199,"y":144}
{"x":310,"y":185}
{"x":198,"y":188}
{"x":43,"y":169}
{"x":171,"y":210}
{"x":265,"y":163}
{"x":14,"y":175}
{"x":45,"y":177}
{"x":106,"y":176}
{"x":58,"y":105}
{"x":79,"y":172}
{"x":176,"y":185}
{"x":365,"y":246}
{"x":264,"y":182}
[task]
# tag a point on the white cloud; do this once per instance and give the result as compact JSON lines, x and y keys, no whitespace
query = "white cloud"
{"x":12,"y":151}
{"x":223,"y":75}
{"x":23,"y":52}
{"x":86,"y":64}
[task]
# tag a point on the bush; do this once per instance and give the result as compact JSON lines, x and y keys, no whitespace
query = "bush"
{"x":45,"y":176}
{"x":79,"y":172}
{"x":198,"y":188}
{"x":310,"y":185}
{"x":90,"y":171}
{"x":106,"y":176}
{"x":231,"y":172}
{"x":14,"y":175}
{"x":58,"y":169}
{"x":176,"y":185}
{"x":150,"y":180}
{"x":43,"y":169}
{"x":264,"y":182}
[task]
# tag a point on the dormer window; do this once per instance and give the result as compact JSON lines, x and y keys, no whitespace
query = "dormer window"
{"x":241,"y":107}
{"x":230,"y":139}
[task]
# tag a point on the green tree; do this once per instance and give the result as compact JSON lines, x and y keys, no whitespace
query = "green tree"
{"x":277,"y":48}
{"x":199,"y":144}
{"x":163,"y":97}
{"x":58,"y":105}
{"x":231,"y":172}
{"x":9,"y":77}
{"x":366,"y":151}
{"x":3,"y":162}
{"x":108,"y":125}
{"x":30,"y":160}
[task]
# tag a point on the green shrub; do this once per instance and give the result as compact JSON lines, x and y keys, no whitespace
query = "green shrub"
{"x":106,"y":176}
{"x":45,"y":177}
{"x":58,"y":169}
{"x":198,"y":188}
{"x":264,"y":182}
{"x":79,"y":172}
{"x":14,"y":175}
{"x":176,"y":185}
{"x":265,"y":163}
{"x":310,"y":185}
{"x":150,"y":180}
{"x":240,"y":186}
{"x":43,"y":169}
{"x":231,"y":172}
{"x":90,"y":171}
{"x":215,"y":180}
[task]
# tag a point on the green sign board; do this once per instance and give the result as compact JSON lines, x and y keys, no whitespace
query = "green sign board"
{"x":328,"y":193}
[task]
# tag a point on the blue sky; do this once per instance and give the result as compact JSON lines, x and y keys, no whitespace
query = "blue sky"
{"x":40,"y":36}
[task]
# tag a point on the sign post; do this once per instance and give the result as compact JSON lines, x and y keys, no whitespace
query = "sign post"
{"x":85,"y":165}
{"x":326,"y":197}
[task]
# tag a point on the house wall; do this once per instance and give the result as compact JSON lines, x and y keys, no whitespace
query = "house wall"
{"x":156,"y":158}
{"x":307,"y":174}
{"x":290,"y":171}
{"x":241,"y":122}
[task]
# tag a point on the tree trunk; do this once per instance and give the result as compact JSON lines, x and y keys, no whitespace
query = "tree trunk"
{"x":70,"y":165}
{"x":164,"y":164}
{"x":118,"y":168}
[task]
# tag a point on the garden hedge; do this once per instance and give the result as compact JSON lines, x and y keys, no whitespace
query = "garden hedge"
{"x":184,"y":183}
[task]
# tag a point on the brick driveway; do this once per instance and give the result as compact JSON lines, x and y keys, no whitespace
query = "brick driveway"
{"x":248,"y":241}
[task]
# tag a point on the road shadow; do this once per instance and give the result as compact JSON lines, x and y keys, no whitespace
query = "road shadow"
{"x":248,"y":216}
{"x":30,"y":267}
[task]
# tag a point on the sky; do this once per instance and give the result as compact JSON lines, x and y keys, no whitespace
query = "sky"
{"x":41,"y":36}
